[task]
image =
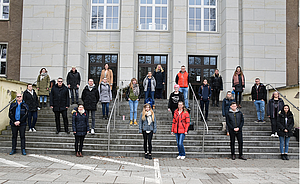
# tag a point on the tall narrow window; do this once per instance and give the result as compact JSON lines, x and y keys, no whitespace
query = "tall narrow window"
{"x":105,"y":14}
{"x":4,"y":6}
{"x":3,"y":52}
{"x":203,"y":15}
{"x":153,"y":15}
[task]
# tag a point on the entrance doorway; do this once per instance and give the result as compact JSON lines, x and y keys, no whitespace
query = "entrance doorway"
{"x":148,"y":63}
{"x":96,"y":65}
{"x":200,"y":68}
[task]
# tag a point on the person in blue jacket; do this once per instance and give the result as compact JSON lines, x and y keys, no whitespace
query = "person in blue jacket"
{"x":204,"y":94}
{"x":80,"y":125}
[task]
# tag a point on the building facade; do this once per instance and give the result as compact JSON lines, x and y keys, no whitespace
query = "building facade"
{"x":136,"y":35}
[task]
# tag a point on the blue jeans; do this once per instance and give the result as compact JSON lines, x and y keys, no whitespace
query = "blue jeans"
{"x":105,"y":106}
{"x":185,"y":94}
{"x":32,"y":114}
{"x":147,"y":94}
{"x":72,"y":94}
{"x":260,"y":108}
{"x":45,"y":98}
{"x":93,"y":117}
{"x":133,"y":109}
{"x":284,"y":141}
{"x":179,"y":140}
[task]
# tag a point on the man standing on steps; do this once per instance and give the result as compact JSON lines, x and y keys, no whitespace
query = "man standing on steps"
{"x":216,"y":83}
{"x":183,"y":80}
{"x":90,"y":98}
{"x":60,"y":102}
{"x":73,"y":81}
{"x":259,"y":97}
{"x":235,"y":123}
{"x":31,"y":99}
{"x":18,"y":113}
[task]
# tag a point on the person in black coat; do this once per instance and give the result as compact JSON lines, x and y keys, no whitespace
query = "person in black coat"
{"x":80,"y":125}
{"x":90,"y":98}
{"x":60,"y":102}
{"x":18,"y":113}
{"x":159,"y":75}
{"x":174,"y":98}
{"x":235,"y":123}
{"x":216,"y":83}
{"x":274,"y":106}
{"x":225,"y":108}
{"x":259,"y":97}
{"x":31,"y":99}
{"x":285,"y":124}
{"x":204,"y":94}
{"x":73,"y":82}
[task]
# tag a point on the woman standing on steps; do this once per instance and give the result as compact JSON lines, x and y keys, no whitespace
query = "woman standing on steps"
{"x":274,"y":106}
{"x":181,"y":123}
{"x":105,"y":97}
{"x":285,"y":124}
{"x":42,"y":86}
{"x":133,"y":97}
{"x":238,"y":84}
{"x":147,"y":127}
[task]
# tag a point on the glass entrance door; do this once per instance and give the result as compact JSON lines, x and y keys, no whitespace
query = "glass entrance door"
{"x":200,"y":68}
{"x":96,"y":65}
{"x":148,"y":63}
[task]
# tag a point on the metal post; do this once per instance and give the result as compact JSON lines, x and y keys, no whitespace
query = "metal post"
{"x":203,"y":138}
{"x":267,"y":93}
{"x":108,"y":141}
{"x":119,"y":103}
{"x":114,"y":117}
{"x":197,"y":120}
{"x":193,"y":110}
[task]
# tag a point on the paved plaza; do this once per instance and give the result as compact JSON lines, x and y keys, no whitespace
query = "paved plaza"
{"x":95,"y":169}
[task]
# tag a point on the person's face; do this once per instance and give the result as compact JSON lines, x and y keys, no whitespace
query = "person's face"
{"x":29,"y":87}
{"x":73,"y":69}
{"x":257,"y":81}
{"x":176,"y":89}
{"x":182,"y":69}
{"x":19,"y":97}
{"x":43,"y":71}
{"x":205,"y":82}
{"x":147,"y":108}
{"x":217,"y":72}
{"x":91,"y":82}
{"x":238,"y":69}
{"x":229,"y":95}
{"x":59,"y":82}
{"x":105,"y":80}
{"x":233,"y":107}
{"x":276,"y":95}
{"x":80,"y":107}
{"x":180,"y":105}
{"x":106,"y":66}
{"x":134,"y":82}
{"x":158,"y":67}
{"x":286,"y":109}
{"x":149,"y":74}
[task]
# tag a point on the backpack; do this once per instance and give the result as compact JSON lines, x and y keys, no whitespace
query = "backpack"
{"x":150,"y":101}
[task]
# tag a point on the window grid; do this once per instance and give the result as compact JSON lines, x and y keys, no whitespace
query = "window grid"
{"x":153,"y":15}
{"x":202,"y":15}
{"x":105,"y":14}
{"x":3,"y":56}
{"x":4,"y":9}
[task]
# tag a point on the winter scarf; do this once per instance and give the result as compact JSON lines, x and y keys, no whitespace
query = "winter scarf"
{"x":149,"y":119}
{"x":81,"y":112}
{"x":91,"y":87}
{"x":136,"y":89}
{"x":43,"y":75}
{"x":236,"y":78}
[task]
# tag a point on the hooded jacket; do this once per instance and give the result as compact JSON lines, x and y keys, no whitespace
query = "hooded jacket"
{"x":23,"y":114}
{"x":226,"y":105}
{"x":80,"y":123}
{"x":235,"y":119}
{"x":90,"y":98}
{"x":104,"y":92}
{"x":73,"y":79}
{"x":181,"y":122}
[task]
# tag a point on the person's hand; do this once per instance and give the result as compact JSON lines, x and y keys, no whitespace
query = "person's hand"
{"x":17,"y":123}
{"x":140,"y":133}
{"x":185,"y":133}
{"x":268,"y":116}
{"x":236,"y":129}
{"x":285,"y":130}
{"x":67,"y":107}
{"x":51,"y":107}
{"x":38,"y":88}
{"x":172,"y":133}
{"x":169,"y":110}
{"x":69,"y":85}
{"x":163,"y":83}
{"x":221,"y":89}
{"x":212,"y":89}
{"x":253,"y":100}
{"x":88,"y":131}
{"x":243,"y":88}
{"x":74,"y":132}
{"x":47,"y":89}
{"x":137,"y":99}
{"x":128,"y":98}
{"x":233,"y":88}
{"x":262,"y":100}
{"x":77,"y":86}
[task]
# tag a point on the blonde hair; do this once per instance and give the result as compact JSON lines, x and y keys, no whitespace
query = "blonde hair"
{"x":131,"y":84}
{"x":162,"y":70}
{"x":144,"y":112}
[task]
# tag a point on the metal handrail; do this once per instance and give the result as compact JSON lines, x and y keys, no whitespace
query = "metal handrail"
{"x":199,"y":110}
{"x":8,"y":104}
{"x":281,"y":95}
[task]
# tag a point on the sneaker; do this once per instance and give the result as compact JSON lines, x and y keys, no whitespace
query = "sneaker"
{"x":182,"y":157}
{"x":33,"y":129}
{"x":12,"y":152}
{"x":131,"y":123}
{"x":257,"y":121}
{"x":146,"y":156}
{"x":149,"y":157}
{"x":262,"y":121}
{"x":272,"y":135}
{"x":30,"y":130}
{"x":276,"y":135}
{"x":92,"y":131}
{"x":23,"y":152}
{"x":179,"y":157}
{"x":242,"y":157}
{"x":135,"y":123}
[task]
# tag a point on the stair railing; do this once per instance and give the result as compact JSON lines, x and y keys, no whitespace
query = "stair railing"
{"x":198,"y":109}
{"x":8,"y":105}
{"x":267,"y":85}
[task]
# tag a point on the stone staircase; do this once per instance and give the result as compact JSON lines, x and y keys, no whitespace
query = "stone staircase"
{"x":125,"y":140}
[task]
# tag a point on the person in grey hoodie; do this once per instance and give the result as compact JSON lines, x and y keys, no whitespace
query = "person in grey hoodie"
{"x":149,"y":84}
{"x":147,"y":127}
{"x":105,"y":97}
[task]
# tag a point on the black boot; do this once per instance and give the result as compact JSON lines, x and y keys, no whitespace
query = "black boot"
{"x":283,"y":157}
{"x":103,"y":117}
{"x":45,"y":104}
{"x":217,"y":104}
{"x":41,"y":105}
{"x":286,"y":157}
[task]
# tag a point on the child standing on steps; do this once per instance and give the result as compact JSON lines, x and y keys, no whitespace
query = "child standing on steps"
{"x":80,"y":125}
{"x":133,"y":97}
{"x":147,"y":127}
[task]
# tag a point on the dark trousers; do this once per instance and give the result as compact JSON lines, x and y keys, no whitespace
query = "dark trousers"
{"x":105,"y":106}
{"x":72,"y":94}
{"x":206,"y":103}
{"x":238,"y":94}
{"x":158,"y":93}
{"x":147,"y":138}
{"x":57,"y":120}
{"x":32,"y":115}
{"x":14,"y":130}
{"x":239,"y":136}
{"x":273,"y":125}
{"x":93,"y":117}
{"x":79,"y":139}
{"x":215,"y":96}
{"x":151,"y":94}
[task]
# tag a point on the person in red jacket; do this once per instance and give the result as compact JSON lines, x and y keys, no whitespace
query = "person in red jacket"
{"x":181,"y":123}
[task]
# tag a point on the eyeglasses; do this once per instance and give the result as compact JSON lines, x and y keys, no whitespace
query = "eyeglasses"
{"x":19,"y":96}
{"x":59,"y":81}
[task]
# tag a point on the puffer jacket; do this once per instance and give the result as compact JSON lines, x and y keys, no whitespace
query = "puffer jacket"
{"x":23,"y":114}
{"x":90,"y":98}
{"x":59,"y":98}
{"x":271,"y":110}
{"x":73,"y":79}
{"x":143,"y":124}
{"x":235,"y":120}
{"x":104,"y":92}
{"x":181,"y":122}
{"x":281,"y":125}
{"x":31,"y":100}
{"x":216,"y":81}
{"x":80,"y":123}
{"x":153,"y":83}
{"x":226,"y":105}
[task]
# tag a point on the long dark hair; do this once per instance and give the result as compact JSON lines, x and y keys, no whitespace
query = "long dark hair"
{"x":288,"y":112}
{"x":235,"y":73}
